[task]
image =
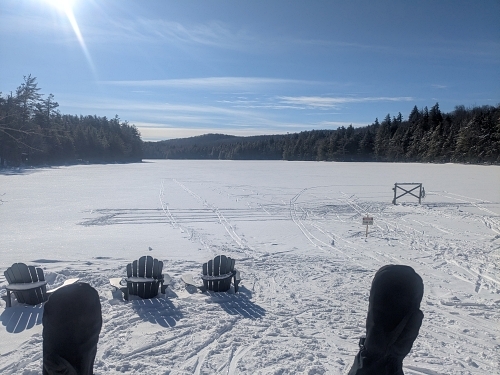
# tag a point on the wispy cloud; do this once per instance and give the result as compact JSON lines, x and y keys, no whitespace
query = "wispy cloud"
{"x":241,"y":83}
{"x":221,"y":35}
{"x":214,"y":34}
{"x":184,"y":115}
{"x":320,"y":102}
{"x":130,"y":105}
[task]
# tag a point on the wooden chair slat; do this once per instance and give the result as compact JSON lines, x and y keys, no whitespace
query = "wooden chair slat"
{"x":217,"y":283}
{"x":141,"y":272}
{"x":40,"y":275}
{"x":205,"y":272}
{"x":129,"y":270}
{"x":9,"y":275}
{"x":135,"y":268}
{"x":26,"y":273}
{"x":157,"y":268}
{"x":226,"y":269}
{"x":39,"y":294}
{"x":33,"y":274}
{"x":217,"y":264}
{"x":149,"y":266}
{"x":225,"y":265}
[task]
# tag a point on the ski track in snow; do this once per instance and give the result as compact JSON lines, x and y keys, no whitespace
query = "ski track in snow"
{"x":317,"y":233}
{"x":297,"y":312}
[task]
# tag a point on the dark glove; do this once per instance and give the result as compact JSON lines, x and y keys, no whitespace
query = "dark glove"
{"x":72,"y":321}
{"x":393,"y":321}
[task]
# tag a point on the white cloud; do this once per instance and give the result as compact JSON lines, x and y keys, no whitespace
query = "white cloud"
{"x":214,"y":34}
{"x":142,"y":107}
{"x":241,"y":83}
{"x":335,"y":102}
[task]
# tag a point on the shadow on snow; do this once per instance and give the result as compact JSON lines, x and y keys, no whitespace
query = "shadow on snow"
{"x":157,"y":311}
{"x":16,"y":319}
{"x":238,"y":304}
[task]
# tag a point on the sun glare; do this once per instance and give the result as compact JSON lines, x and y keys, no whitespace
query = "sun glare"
{"x":66,"y":7}
{"x":62,"y":5}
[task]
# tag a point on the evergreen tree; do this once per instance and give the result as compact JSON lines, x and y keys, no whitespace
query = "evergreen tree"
{"x":382,"y":138}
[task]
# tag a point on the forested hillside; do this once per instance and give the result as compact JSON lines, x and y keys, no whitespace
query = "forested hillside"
{"x":466,"y":135}
{"x":34,"y":132}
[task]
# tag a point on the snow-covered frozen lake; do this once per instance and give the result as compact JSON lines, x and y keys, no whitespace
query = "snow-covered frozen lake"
{"x":295,"y":231}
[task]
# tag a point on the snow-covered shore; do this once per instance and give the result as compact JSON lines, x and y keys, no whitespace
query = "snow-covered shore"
{"x":295,"y":231}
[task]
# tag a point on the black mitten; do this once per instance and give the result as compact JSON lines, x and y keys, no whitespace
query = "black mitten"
{"x":71,"y":321}
{"x":393,"y":321}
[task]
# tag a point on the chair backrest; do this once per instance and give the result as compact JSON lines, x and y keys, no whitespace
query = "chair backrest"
{"x":21,"y":273}
{"x":220,"y":265}
{"x":146,"y":266}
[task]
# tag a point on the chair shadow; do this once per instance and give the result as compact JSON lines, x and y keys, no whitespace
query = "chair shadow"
{"x":16,"y":319}
{"x":157,"y":310}
{"x":238,"y":303}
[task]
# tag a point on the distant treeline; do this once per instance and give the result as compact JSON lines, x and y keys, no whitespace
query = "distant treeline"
{"x":466,"y":135}
{"x":34,"y":132}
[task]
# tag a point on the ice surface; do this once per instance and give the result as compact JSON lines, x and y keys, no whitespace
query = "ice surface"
{"x":295,"y":231}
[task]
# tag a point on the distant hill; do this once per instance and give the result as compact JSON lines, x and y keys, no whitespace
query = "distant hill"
{"x":465,"y":135}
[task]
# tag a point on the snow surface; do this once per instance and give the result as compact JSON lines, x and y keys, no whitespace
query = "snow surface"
{"x":295,"y":231}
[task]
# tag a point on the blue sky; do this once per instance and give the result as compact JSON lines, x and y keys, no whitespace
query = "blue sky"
{"x":184,"y":68}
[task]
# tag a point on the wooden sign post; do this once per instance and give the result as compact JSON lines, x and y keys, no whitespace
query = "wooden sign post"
{"x":367,"y":220}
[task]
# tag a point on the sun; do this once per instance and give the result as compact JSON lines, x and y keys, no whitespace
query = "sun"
{"x":62,"y":5}
{"x":66,"y":7}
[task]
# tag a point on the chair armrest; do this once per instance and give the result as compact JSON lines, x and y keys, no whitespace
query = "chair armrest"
{"x":66,"y":283}
{"x":116,"y":282}
{"x":17,"y":287}
{"x":218,"y":277}
{"x":142,"y":280}
{"x":165,"y":282}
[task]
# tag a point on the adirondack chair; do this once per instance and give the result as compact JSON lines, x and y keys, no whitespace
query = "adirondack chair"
{"x":217,"y":275}
{"x":28,"y":284}
{"x":143,"y":279}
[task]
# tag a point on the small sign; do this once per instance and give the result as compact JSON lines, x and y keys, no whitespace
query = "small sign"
{"x":368,"y":220}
